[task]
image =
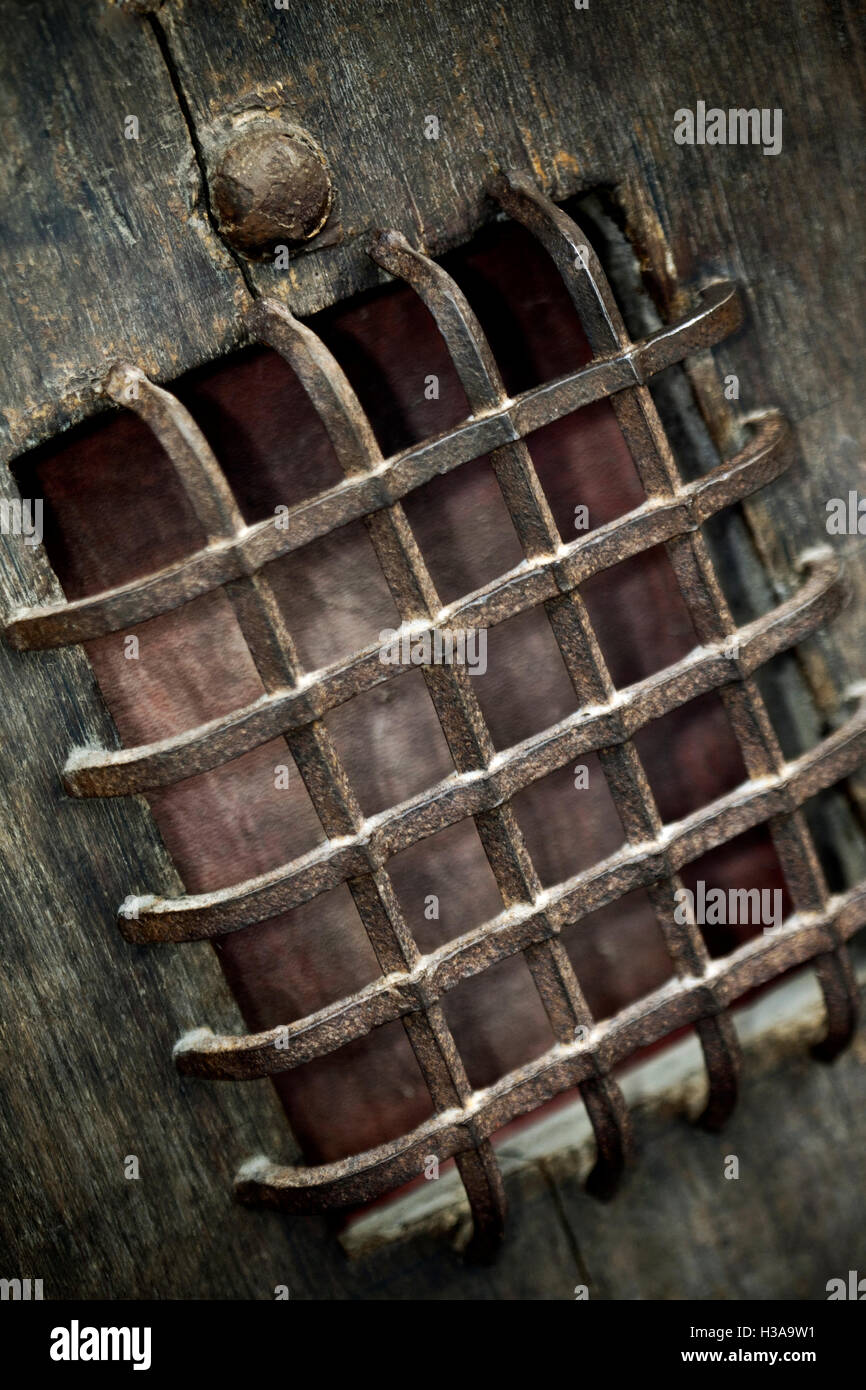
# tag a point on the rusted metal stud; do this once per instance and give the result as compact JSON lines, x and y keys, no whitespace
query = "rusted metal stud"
{"x":272,"y":187}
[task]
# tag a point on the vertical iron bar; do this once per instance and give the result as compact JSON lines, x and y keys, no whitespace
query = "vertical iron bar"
{"x":275,"y":656}
{"x":638,"y":419}
{"x":572,"y":628}
{"x":457,"y":708}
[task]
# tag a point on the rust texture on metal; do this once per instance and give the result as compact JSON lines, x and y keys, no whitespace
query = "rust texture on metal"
{"x":472,"y":792}
{"x":357,"y":848}
{"x":271,"y":187}
{"x":255,"y":546}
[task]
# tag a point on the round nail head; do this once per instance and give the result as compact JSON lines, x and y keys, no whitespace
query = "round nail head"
{"x":271,"y":188}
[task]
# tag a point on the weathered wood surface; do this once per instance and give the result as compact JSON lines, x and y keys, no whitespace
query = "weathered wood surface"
{"x":105,"y":253}
{"x":792,"y":1220}
{"x":680,"y":1228}
{"x":110,"y":252}
{"x":87,"y":1024}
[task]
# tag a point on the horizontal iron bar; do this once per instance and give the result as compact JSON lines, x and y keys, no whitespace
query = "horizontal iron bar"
{"x":677,"y":1004}
{"x":221,"y":561}
{"x":516,"y":928}
{"x":638,"y":419}
{"x":454,"y":700}
{"x":570,"y":623}
{"x":191,"y":917}
{"x":126,"y":771}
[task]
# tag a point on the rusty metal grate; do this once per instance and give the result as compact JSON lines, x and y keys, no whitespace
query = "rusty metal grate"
{"x":357,"y":849}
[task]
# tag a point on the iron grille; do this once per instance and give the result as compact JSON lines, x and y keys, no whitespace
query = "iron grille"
{"x":357,"y":849}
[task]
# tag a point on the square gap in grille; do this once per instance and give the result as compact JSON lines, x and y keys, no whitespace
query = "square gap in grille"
{"x":445,"y":885}
{"x":526,"y":687}
{"x":796,"y":721}
{"x":390,"y":741}
{"x":830,"y":826}
{"x":371,"y":1091}
{"x":586,"y":470}
{"x":482,"y":1013}
{"x":333,"y":596}
{"x":292,"y":965}
{"x":237,"y":821}
{"x":618,"y":953}
{"x":718,"y":881}
{"x":464,"y":530}
{"x":569,"y":819}
{"x":690,"y":756}
{"x":189,"y":666}
{"x":639,"y":615}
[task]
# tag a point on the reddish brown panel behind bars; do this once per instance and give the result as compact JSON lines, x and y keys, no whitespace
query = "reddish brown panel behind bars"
{"x":119,"y":513}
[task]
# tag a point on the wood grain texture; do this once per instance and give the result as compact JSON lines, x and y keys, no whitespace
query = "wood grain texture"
{"x":790,"y":1222}
{"x":88,"y":1023}
{"x":105,"y":251}
{"x":680,"y":1229}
